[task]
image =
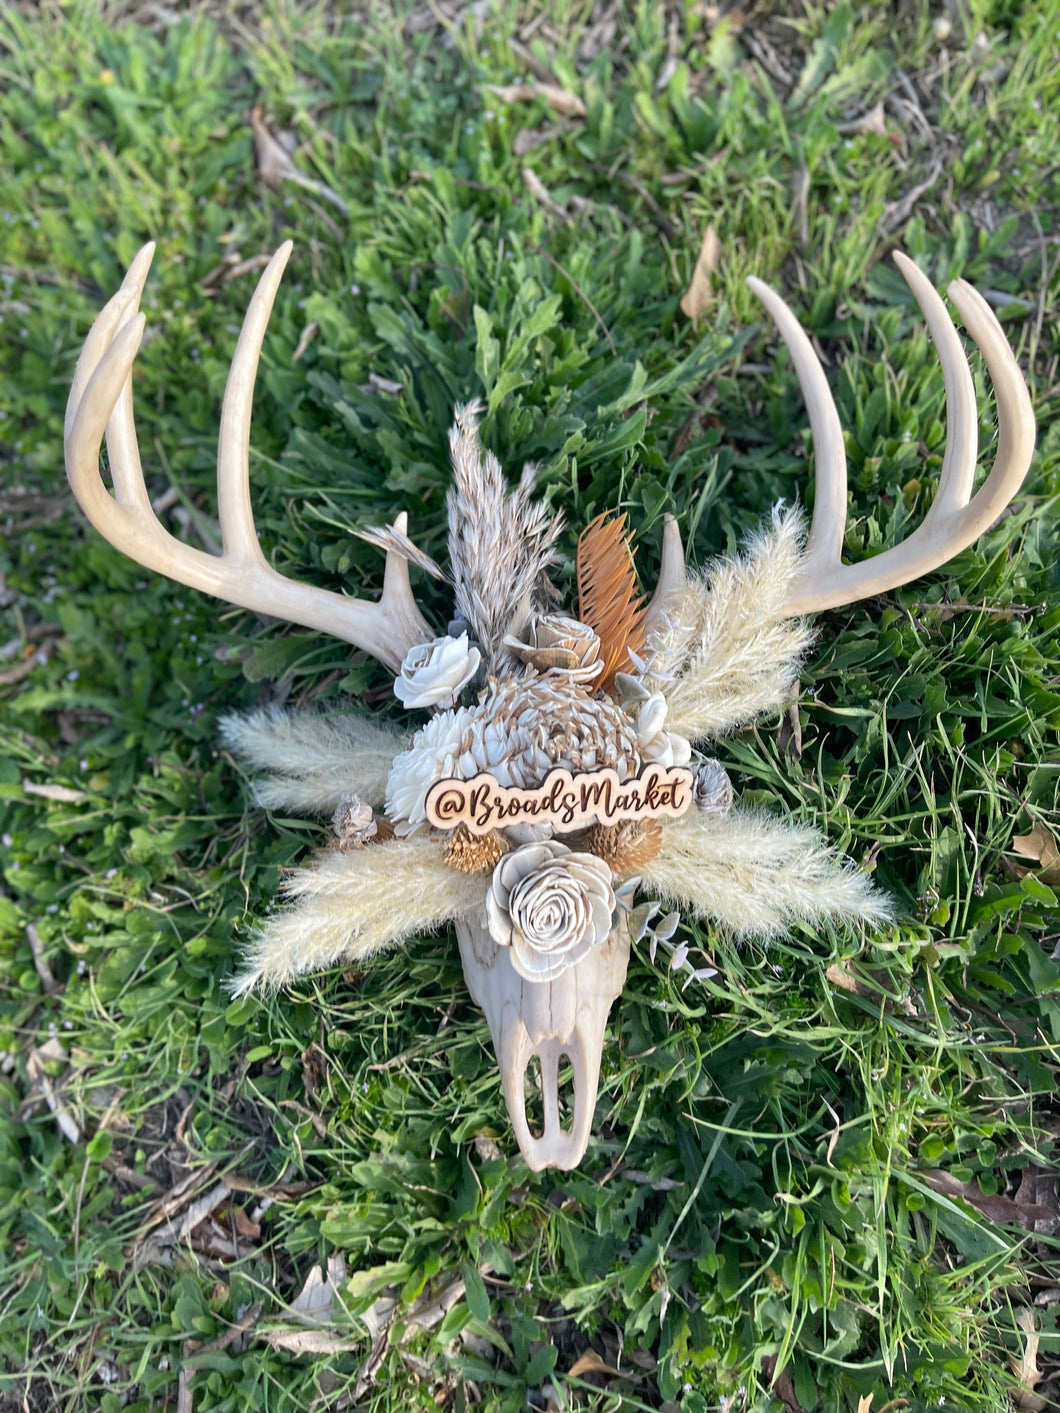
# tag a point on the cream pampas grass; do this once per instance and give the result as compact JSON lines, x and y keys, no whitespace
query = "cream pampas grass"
{"x":350,"y":906}
{"x":313,"y":760}
{"x":755,"y":876}
{"x":731,"y":650}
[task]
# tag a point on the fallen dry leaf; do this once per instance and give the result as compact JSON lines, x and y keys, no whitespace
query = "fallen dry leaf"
{"x":789,"y":736}
{"x":40,"y":961}
{"x":305,"y":338}
{"x":840,"y":976}
{"x":874,"y":120}
{"x":591,"y":1363}
{"x":1040,"y":1188}
{"x":377,"y":383}
{"x":316,"y":1300}
{"x":537,"y":189}
{"x":993,"y":1206}
{"x":35,"y":1068}
{"x":1025,"y":1367}
{"x":303,"y":1341}
{"x":781,"y":1384}
{"x":313,"y":1306}
{"x":487,"y":1148}
{"x":560,"y":100}
{"x":275,"y":166}
{"x":1041,"y":846}
{"x":699,"y":296}
{"x":528,"y":138}
{"x":243,"y":1224}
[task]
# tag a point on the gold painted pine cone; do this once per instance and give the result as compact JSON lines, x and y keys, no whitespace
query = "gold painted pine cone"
{"x":475,"y":853}
{"x":626,"y":846}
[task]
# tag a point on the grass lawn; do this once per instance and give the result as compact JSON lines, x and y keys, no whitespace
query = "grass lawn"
{"x":825,"y":1178}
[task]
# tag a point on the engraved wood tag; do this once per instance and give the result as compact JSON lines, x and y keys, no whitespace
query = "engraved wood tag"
{"x":565,"y":801}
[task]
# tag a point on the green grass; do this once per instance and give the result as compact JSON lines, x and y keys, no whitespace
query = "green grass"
{"x":758,"y":1224}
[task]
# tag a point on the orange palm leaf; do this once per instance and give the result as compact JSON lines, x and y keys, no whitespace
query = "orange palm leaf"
{"x":607,"y":593}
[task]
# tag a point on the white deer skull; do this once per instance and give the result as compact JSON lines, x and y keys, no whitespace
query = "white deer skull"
{"x":713,"y":652}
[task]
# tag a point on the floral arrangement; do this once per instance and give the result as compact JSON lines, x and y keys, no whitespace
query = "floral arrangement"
{"x":517,"y":689}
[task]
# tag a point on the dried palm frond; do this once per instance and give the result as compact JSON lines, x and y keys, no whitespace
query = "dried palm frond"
{"x":395,"y":541}
{"x":607,"y":593}
{"x":732,"y":651}
{"x":312,"y":761}
{"x":349,"y":906}
{"x":755,"y":875}
{"x":500,"y":544}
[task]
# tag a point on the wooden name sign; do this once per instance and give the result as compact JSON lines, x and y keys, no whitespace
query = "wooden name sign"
{"x":565,"y":801}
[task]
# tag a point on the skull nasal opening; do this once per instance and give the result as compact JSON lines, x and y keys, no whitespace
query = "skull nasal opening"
{"x":549,"y":1094}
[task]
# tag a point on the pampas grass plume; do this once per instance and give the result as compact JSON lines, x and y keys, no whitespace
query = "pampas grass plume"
{"x":350,"y":906}
{"x":755,"y":875}
{"x":311,"y":761}
{"x":732,"y":652}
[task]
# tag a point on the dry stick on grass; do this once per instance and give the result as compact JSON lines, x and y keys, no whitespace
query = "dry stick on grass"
{"x":40,"y":961}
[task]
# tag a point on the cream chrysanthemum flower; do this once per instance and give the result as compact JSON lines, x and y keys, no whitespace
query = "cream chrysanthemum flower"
{"x":433,"y":754}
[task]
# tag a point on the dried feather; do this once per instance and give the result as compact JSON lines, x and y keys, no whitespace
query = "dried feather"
{"x":730,"y":648}
{"x":395,"y":541}
{"x":607,"y":593}
{"x":755,"y":875}
{"x":500,"y":544}
{"x":350,"y":906}
{"x":312,"y":761}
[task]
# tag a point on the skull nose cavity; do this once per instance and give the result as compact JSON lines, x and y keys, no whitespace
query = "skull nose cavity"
{"x":547,"y":1136}
{"x":545,"y":1117}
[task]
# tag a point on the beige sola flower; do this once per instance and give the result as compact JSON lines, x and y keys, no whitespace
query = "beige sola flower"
{"x":553,"y":641}
{"x":432,"y":755}
{"x":527,"y":726}
{"x":551,"y":906}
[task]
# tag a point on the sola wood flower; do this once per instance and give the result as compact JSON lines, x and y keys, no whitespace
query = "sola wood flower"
{"x":555,"y":642}
{"x":432,"y":755}
{"x":433,"y":674}
{"x":543,"y":945}
{"x":551,"y":906}
{"x":654,"y":742}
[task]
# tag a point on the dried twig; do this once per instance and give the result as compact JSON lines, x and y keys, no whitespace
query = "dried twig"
{"x":44,"y":971}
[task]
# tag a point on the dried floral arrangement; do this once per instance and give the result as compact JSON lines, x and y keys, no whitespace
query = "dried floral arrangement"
{"x":556,"y":764}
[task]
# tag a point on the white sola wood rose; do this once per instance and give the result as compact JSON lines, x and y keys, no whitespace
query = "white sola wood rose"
{"x":551,"y":906}
{"x":433,"y":674}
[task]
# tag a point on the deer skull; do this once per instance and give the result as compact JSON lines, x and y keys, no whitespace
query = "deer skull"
{"x":548,"y":701}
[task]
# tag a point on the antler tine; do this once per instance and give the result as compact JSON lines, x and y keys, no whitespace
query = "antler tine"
{"x":825,"y":544}
{"x":101,"y":400}
{"x":671,"y":577}
{"x":955,"y":518}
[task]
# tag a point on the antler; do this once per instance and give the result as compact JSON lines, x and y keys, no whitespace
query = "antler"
{"x":101,"y":399}
{"x":956,"y":518}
